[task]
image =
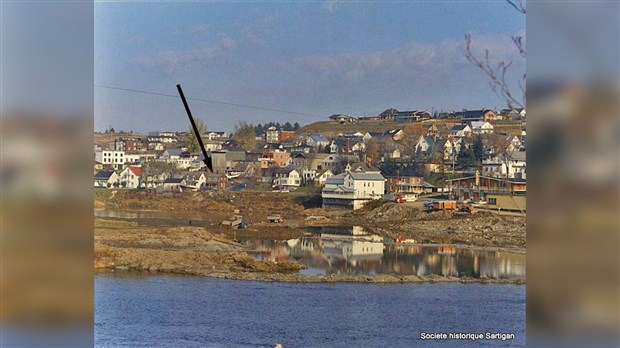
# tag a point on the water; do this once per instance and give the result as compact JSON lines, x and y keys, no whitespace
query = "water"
{"x":135,"y":310}
{"x":351,"y":250}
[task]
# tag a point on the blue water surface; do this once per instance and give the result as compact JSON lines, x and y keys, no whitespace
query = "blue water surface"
{"x":137,"y":310}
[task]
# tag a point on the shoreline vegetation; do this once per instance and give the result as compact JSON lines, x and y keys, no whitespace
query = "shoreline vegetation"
{"x":170,"y":245}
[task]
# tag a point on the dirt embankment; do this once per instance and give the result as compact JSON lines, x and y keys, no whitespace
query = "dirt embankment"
{"x":126,"y":245}
{"x":482,"y":229}
{"x":129,"y":246}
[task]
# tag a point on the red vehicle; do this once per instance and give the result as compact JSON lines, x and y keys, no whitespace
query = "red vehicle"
{"x":400,"y":199}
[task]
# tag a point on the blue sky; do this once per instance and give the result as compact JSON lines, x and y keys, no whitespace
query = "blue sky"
{"x":318,"y":58}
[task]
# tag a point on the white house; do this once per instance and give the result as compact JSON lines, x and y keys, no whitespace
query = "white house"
{"x":480,"y":127}
{"x":317,"y":141}
{"x":322,"y":177}
{"x":131,"y":177}
{"x":113,"y":157}
{"x":355,"y":187}
{"x":287,"y":178}
{"x":106,"y":179}
{"x":462,"y":130}
{"x":512,"y":165}
{"x":195,"y":181}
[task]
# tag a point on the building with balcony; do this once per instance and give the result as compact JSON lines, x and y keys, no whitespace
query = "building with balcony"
{"x":354,"y":188}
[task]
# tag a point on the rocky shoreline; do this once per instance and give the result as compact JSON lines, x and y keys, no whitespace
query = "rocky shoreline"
{"x":206,"y":248}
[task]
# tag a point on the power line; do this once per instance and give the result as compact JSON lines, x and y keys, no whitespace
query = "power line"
{"x":209,"y":101}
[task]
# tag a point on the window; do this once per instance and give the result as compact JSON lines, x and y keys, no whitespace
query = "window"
{"x":492,"y":201}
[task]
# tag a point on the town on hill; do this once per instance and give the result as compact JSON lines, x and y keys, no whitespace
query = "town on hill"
{"x":471,"y":155}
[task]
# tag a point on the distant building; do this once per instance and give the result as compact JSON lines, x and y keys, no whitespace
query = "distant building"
{"x":342,"y":118}
{"x":317,"y":140}
{"x":481,"y":127}
{"x":484,"y":115}
{"x":286,"y":178}
{"x":355,"y":187}
{"x":477,"y":187}
{"x":131,"y":177}
{"x":111,"y":157}
{"x":106,"y":179}
{"x":272,"y":135}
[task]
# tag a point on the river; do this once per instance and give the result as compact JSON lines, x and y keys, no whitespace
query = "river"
{"x":137,"y":310}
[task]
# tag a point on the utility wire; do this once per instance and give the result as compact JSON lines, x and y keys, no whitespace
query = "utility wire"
{"x":210,"y":101}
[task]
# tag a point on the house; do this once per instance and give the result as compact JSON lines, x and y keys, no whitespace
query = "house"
{"x":272,"y":135}
{"x":404,"y":116}
{"x":214,"y":181}
{"x":131,"y":177}
{"x":428,"y":146}
{"x":112,"y":157}
{"x":342,"y":118}
{"x":358,"y":185}
{"x":514,"y":143}
{"x":395,"y":134}
{"x":462,"y":130}
{"x":309,"y":161}
{"x":346,"y":145}
{"x":173,"y":184}
{"x":106,"y":179}
{"x":431,"y":129}
{"x":513,"y":114}
{"x":414,"y":185}
{"x":128,"y":144}
{"x":321,"y":177}
{"x":480,"y":127}
{"x":286,"y":136}
{"x":484,"y":115}
{"x":215,"y":136}
{"x":477,"y":187}
{"x":194,"y":181}
{"x":277,"y":158}
{"x":506,"y":165}
{"x":286,"y":178}
{"x":317,"y":141}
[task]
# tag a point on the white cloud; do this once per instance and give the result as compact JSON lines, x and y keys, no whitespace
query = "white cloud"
{"x":170,"y":61}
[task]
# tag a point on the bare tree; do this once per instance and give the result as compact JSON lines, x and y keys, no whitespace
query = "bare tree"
{"x":497,"y":71}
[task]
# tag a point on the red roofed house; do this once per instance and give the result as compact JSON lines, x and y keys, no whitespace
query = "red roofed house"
{"x":131,"y":177}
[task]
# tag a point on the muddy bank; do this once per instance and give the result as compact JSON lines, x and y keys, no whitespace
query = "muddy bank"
{"x":122,"y":245}
{"x":338,"y":278}
{"x":183,"y":250}
{"x":481,"y":229}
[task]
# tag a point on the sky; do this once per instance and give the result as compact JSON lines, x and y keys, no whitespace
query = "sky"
{"x":316,"y":58}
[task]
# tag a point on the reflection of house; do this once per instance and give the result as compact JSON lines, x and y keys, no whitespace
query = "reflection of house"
{"x":477,"y":187}
{"x":353,"y":188}
{"x":352,"y":248}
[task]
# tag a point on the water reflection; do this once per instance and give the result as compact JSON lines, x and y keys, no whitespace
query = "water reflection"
{"x":343,"y":250}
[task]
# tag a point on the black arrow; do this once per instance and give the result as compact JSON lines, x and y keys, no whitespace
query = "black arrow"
{"x":208,"y":160}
